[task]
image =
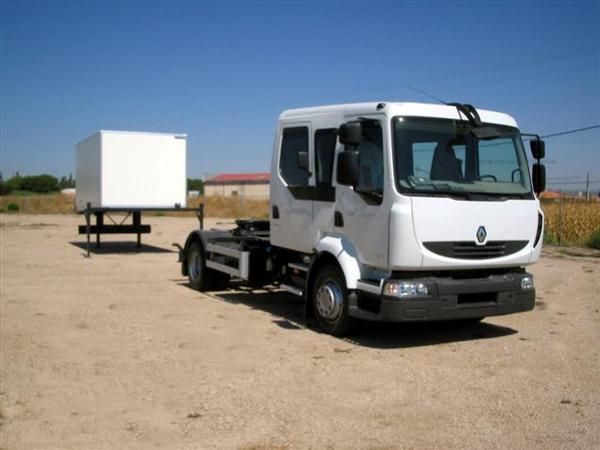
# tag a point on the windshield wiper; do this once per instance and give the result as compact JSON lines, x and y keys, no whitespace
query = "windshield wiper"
{"x":507,"y":196}
{"x":475,"y":196}
{"x":449,"y":193}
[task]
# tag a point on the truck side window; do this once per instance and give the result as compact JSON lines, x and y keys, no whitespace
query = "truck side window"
{"x":293,"y":141}
{"x":371,"y":158}
{"x":325,"y":140}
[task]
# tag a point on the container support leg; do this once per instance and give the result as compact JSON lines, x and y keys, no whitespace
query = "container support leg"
{"x":99,"y":225}
{"x":87,"y":227}
{"x":137,"y":222}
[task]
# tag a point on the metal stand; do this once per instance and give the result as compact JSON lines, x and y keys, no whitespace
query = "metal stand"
{"x":136,"y":227}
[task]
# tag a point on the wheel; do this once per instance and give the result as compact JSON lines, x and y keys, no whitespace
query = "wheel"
{"x":201,"y":277}
{"x":330,"y":302}
{"x":196,"y":267}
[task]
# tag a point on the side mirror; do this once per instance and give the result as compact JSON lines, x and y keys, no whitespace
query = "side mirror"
{"x":538,"y":148}
{"x":347,"y":168}
{"x":350,"y":133}
{"x":302,"y":160}
{"x":539,"y":177}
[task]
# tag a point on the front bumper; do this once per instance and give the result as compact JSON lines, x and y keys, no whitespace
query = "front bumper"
{"x":448,"y":299}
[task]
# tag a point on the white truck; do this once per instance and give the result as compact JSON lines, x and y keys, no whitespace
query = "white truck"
{"x":389,"y":212}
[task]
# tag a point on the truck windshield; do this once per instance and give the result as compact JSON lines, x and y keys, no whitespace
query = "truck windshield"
{"x":442,"y":157}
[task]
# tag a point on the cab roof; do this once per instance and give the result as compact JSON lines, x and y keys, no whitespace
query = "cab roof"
{"x":393,"y":109}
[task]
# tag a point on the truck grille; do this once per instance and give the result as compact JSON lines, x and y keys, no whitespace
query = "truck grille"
{"x":470,"y":250}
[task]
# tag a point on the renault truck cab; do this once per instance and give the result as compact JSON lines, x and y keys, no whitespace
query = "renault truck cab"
{"x":428,"y":210}
{"x":392,"y":212}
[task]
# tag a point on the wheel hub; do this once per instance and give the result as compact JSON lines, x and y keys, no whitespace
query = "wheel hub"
{"x":330,"y":300}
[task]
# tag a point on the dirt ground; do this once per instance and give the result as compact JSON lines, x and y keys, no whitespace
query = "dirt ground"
{"x":116,"y":351}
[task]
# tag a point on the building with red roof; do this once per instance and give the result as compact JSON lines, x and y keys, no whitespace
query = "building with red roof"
{"x":247,"y":185}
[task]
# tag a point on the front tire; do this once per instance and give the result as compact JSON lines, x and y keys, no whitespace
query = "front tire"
{"x":330,"y":302}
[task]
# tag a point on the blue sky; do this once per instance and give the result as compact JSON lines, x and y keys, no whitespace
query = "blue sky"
{"x":222,"y":72}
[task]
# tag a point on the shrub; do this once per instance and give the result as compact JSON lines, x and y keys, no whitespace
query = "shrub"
{"x":594,"y":240}
{"x":12,"y":207}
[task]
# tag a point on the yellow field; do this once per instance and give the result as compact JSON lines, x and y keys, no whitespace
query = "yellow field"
{"x":573,"y":221}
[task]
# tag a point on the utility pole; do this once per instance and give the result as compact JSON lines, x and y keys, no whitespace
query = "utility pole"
{"x":559,"y":216}
{"x":587,"y":187}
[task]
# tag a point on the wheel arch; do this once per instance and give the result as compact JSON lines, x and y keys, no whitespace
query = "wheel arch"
{"x":344,"y":254}
{"x":331,"y":251}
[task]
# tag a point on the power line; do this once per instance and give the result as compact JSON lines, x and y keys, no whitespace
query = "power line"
{"x":577,"y":130}
{"x":573,"y":182}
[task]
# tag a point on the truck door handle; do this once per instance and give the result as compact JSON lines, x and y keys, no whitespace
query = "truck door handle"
{"x":275,"y":212}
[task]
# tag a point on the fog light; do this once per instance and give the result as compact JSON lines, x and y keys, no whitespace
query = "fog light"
{"x":404,"y":289}
{"x":527,"y":283}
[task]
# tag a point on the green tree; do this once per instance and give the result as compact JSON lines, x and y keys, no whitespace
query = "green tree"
{"x":66,"y":183}
{"x":16,"y":182}
{"x":3,"y":187}
{"x":40,"y":183}
{"x":195,"y":184}
{"x":11,"y":185}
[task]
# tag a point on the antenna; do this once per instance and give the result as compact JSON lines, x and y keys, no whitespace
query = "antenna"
{"x":427,"y":94}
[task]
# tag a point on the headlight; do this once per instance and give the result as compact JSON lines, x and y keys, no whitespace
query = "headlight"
{"x":405,"y":289}
{"x":527,"y":283}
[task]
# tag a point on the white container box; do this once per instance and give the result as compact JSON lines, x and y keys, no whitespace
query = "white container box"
{"x":126,"y":169}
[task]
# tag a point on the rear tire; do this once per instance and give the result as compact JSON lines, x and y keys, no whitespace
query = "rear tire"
{"x":196,"y":267}
{"x":201,"y":277}
{"x":330,"y":302}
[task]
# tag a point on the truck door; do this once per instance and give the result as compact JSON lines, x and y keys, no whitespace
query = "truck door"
{"x":325,"y":142}
{"x":291,"y":193}
{"x":364,"y":213}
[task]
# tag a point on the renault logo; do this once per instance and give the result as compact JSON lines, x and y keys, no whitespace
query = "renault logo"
{"x":481,"y":234}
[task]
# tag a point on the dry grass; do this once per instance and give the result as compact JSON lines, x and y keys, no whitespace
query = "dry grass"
{"x":573,"y":222}
{"x":233,"y":207}
{"x":226,"y":207}
{"x":40,"y":204}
